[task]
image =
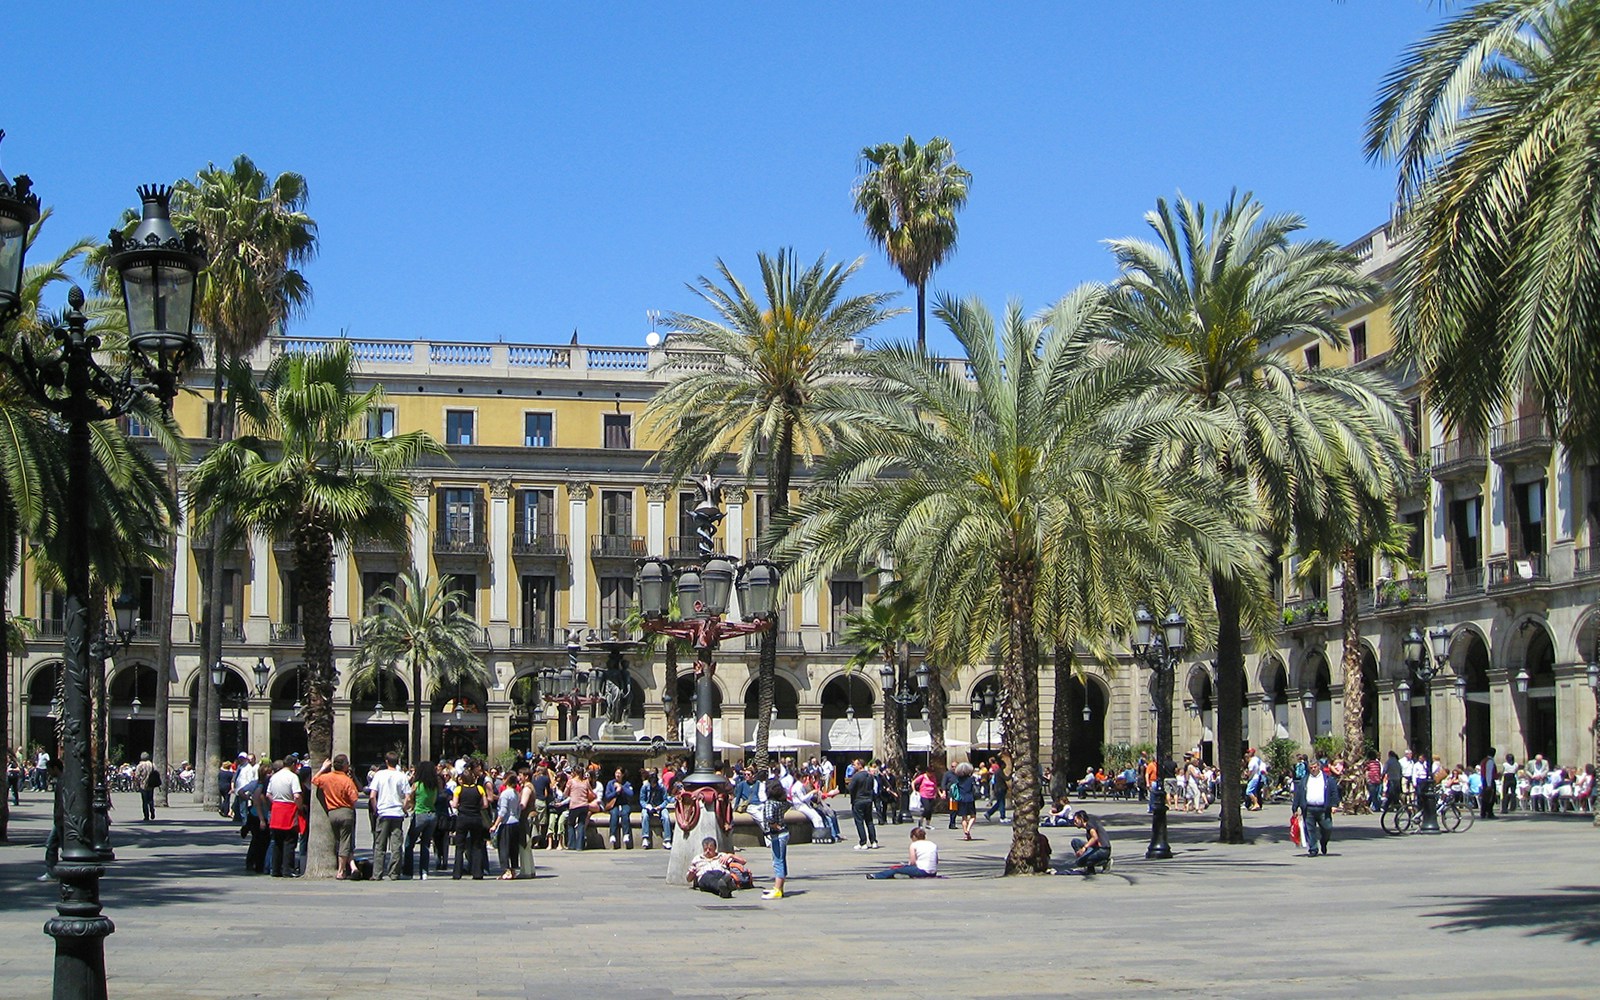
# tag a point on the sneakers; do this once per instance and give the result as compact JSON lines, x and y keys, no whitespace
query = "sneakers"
{"x":772,"y":894}
{"x":859,"y":847}
{"x":874,"y":846}
{"x":628,"y":844}
{"x":46,"y":877}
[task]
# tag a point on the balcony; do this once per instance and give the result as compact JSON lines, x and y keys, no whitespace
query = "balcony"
{"x":617,"y":547}
{"x":683,"y":547}
{"x":1525,"y":440}
{"x":837,"y":641}
{"x":755,"y":548}
{"x":1464,"y":582}
{"x":287,"y":633}
{"x":1586,"y":562}
{"x":1460,"y":458}
{"x":1306,"y":612}
{"x":1514,"y":572}
{"x":231,"y":631}
{"x":537,"y":637}
{"x":461,"y":540}
{"x":378,"y":547}
{"x":1392,"y":594}
{"x":532,"y":545}
{"x":788,"y":642}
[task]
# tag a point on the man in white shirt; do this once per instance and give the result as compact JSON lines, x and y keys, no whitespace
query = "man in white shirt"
{"x":283,"y":792}
{"x":1255,"y":777}
{"x":1314,"y":801}
{"x":389,"y":789}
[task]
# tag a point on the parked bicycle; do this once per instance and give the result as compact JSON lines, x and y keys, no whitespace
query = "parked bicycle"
{"x":1405,"y":817}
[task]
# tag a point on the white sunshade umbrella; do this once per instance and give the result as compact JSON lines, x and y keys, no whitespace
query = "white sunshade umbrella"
{"x":778,"y":741}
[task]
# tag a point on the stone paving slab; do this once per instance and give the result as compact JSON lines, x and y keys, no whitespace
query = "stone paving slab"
{"x":1455,"y":915}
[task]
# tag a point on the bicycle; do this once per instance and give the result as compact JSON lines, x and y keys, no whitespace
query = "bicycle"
{"x":1405,"y":817}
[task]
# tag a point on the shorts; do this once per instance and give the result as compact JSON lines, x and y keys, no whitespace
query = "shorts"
{"x":343,"y":822}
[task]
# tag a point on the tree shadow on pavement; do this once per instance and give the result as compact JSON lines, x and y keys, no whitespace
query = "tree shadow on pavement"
{"x":1571,"y":911}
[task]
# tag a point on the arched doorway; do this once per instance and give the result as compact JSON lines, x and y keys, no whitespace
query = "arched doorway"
{"x":527,"y":711}
{"x":1475,"y":668}
{"x":1322,"y":699}
{"x":688,"y":711}
{"x":986,"y":730}
{"x":1279,"y":695}
{"x":1539,"y":724}
{"x":380,"y":720}
{"x":1369,"y":701}
{"x":785,"y":708}
{"x":288,"y":730}
{"x":1202,"y":707}
{"x":460,"y":722}
{"x":232,"y":708}
{"x":848,"y":727}
{"x":44,"y":710}
{"x":1086,"y":704}
{"x":132,"y":712}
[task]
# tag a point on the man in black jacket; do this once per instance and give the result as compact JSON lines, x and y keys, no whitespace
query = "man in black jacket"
{"x":1315,"y":797}
{"x":863,"y":793}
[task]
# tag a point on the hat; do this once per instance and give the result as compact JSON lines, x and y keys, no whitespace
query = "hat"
{"x":242,"y":756}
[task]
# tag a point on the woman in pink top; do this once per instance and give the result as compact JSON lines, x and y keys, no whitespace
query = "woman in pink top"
{"x":927,"y":789}
{"x":580,"y":796}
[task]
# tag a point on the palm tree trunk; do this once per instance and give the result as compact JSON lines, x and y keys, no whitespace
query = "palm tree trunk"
{"x":938,"y":709}
{"x":313,"y":548}
{"x":1355,"y":791}
{"x":416,"y":709}
{"x":894,"y":744}
{"x":1019,"y":712}
{"x":163,"y":630}
{"x":1230,"y":706}
{"x":778,"y":475}
{"x":5,"y":712}
{"x":670,"y":686}
{"x":208,"y":728}
{"x":922,"y":317}
{"x":1061,"y":719}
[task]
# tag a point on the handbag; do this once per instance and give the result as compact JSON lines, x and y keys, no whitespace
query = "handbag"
{"x":1294,"y":830}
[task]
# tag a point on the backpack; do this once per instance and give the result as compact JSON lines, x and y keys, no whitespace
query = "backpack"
{"x":154,"y":779}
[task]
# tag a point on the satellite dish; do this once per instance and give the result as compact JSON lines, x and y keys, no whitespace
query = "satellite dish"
{"x":652,"y":339}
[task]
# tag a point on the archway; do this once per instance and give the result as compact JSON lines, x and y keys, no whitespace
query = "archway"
{"x":848,"y":727}
{"x":785,"y":707}
{"x":1202,"y":706}
{"x":1369,"y":701}
{"x":43,"y":709}
{"x":231,"y":709}
{"x":1086,"y":705}
{"x":986,"y":731}
{"x":132,"y":711}
{"x":1320,"y":716}
{"x":287,"y":734}
{"x":1540,"y":722}
{"x":1475,"y":668}
{"x":380,"y":720}
{"x":1279,"y":694}
{"x":460,"y":721}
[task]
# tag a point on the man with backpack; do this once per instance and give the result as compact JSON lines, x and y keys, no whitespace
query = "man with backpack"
{"x":148,"y":779}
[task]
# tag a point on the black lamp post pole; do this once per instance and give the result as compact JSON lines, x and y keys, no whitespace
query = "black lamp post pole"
{"x":1160,"y":649}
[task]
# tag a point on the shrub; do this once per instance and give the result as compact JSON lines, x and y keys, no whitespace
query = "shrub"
{"x":1328,"y":746}
{"x":1121,"y":756}
{"x":1279,"y":754}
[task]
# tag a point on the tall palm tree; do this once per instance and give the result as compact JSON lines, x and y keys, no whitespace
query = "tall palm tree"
{"x":306,"y":471}
{"x":1221,"y":289}
{"x":979,"y":485}
{"x":908,"y":199}
{"x":258,"y":237}
{"x":757,"y":381}
{"x":883,"y":631}
{"x":1491,"y":120}
{"x":424,"y":629}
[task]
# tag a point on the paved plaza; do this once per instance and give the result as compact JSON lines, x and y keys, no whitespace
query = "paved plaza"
{"x":1507,"y":909}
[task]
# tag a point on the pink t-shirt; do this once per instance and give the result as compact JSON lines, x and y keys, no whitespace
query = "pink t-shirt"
{"x":579,"y":793}
{"x":926,"y":787}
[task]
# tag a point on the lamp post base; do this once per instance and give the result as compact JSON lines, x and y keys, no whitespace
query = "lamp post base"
{"x":80,"y":933}
{"x":686,"y":845}
{"x":1158,"y":850}
{"x":1428,"y":805}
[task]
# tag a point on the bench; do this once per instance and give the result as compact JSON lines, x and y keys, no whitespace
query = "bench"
{"x":745,"y":834}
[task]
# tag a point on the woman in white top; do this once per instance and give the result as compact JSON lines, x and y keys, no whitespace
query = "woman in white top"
{"x":923,"y":859}
{"x":803,"y":800}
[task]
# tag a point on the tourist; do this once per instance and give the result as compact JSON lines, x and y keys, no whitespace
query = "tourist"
{"x":580,"y":798}
{"x":922,"y":862}
{"x":654,"y":810}
{"x":1061,"y":815}
{"x":283,"y":791}
{"x":1255,"y":780}
{"x":541,"y":787}
{"x":424,"y":819}
{"x":769,"y":817}
{"x":964,"y":793}
{"x":1091,"y":852}
{"x":388,"y":791}
{"x":52,"y":841}
{"x":506,"y":830}
{"x":471,"y":800}
{"x":444,"y":812}
{"x":14,"y":777}
{"x":1372,"y":771}
{"x":227,"y":774}
{"x":258,"y":813}
{"x":339,"y":794}
{"x":147,"y":779}
{"x":525,"y":808}
{"x":999,"y":785}
{"x":1314,"y":802}
{"x":618,"y":801}
{"x":863,"y":787}
{"x":559,"y":813}
{"x":926,"y":788}
{"x":712,"y":871}
{"x":1508,"y":784}
{"x":1488,"y":773}
{"x":803,"y":799}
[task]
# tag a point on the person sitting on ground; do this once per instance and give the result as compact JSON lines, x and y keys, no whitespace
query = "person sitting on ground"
{"x":1090,"y":853}
{"x":922,"y":862}
{"x":1061,"y":815}
{"x":712,"y":871}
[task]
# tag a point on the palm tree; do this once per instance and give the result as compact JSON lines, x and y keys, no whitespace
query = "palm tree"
{"x":978,"y":486}
{"x":307,"y":472}
{"x":1491,"y":120}
{"x":423,"y":629}
{"x":908,"y":199}
{"x":1220,"y":290}
{"x":258,"y":236}
{"x":758,"y":381}
{"x":883,"y":630}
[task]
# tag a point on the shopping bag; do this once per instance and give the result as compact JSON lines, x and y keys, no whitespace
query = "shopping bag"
{"x":1294,"y":830}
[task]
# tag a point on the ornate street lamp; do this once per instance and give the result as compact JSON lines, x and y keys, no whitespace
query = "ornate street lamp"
{"x":1160,"y":651}
{"x":703,"y":595}
{"x":1423,"y":668}
{"x":158,"y":269}
{"x":263,"y":674}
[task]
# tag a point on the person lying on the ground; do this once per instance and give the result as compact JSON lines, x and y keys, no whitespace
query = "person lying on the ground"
{"x":713,"y":870}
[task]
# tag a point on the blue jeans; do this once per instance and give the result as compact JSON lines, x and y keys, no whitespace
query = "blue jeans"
{"x":577,"y":826}
{"x":909,"y":871}
{"x":422,"y":829}
{"x":998,"y":803}
{"x":622,"y":825}
{"x":660,"y":816}
{"x":779,"y":842}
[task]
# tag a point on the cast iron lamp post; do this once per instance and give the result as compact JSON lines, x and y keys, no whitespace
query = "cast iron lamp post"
{"x":158,"y":270}
{"x":987,"y":705}
{"x":1424,"y":668}
{"x":896,"y":690}
{"x":706,"y":588}
{"x":568,"y":686}
{"x":1160,"y":650}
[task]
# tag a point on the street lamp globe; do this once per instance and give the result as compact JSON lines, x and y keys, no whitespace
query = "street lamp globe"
{"x":688,"y":581}
{"x":1412,"y":647}
{"x":1440,"y":637}
{"x":1594,"y":676}
{"x":1403,"y":689}
{"x":886,"y":676}
{"x":1144,"y":626}
{"x":219,"y":673}
{"x":126,"y":609}
{"x":262,"y":673}
{"x":655,"y":588}
{"x":159,"y":271}
{"x":1175,"y":632}
{"x":19,"y":210}
{"x":1522,"y":680}
{"x":717,"y":580}
{"x":924,"y":677}
{"x":758,"y":587}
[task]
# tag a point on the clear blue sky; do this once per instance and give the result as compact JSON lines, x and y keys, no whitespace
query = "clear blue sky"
{"x":517,"y":170}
